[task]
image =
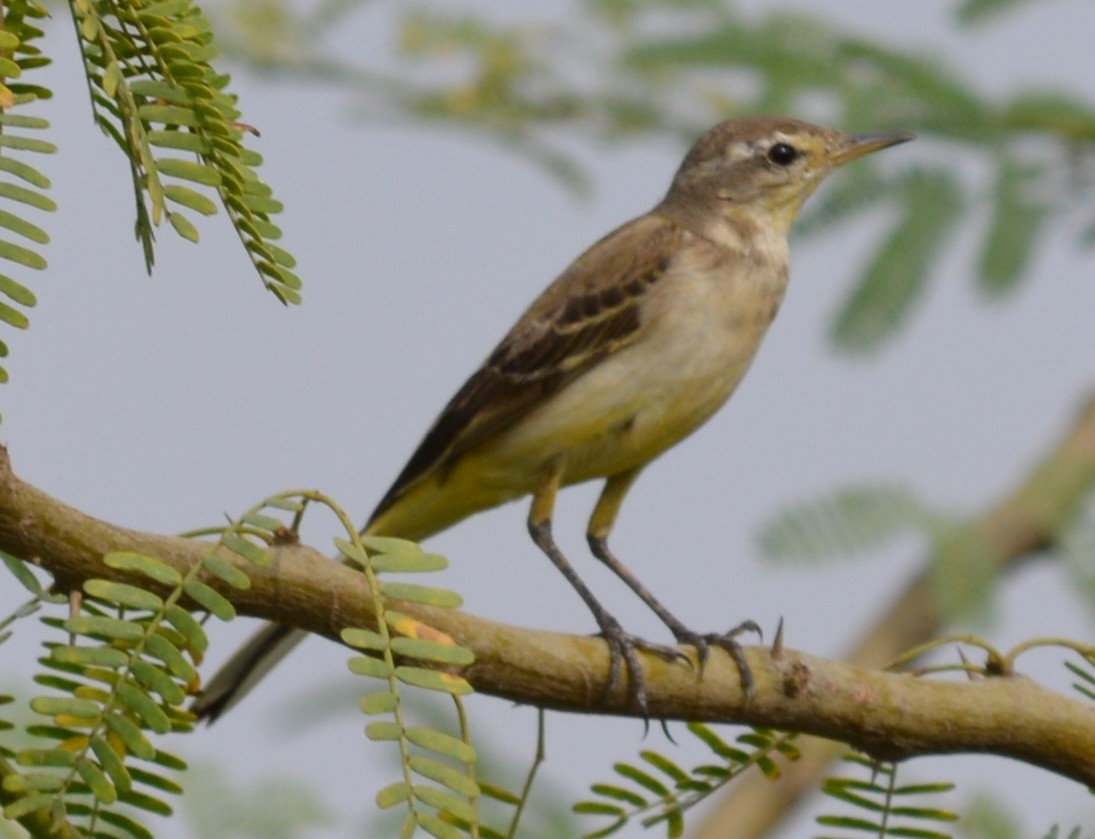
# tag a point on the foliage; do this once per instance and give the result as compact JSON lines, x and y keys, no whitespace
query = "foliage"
{"x":1055,"y":833}
{"x":129,"y":665}
{"x":426,"y":755}
{"x":842,"y":522}
{"x":659,"y":791}
{"x":884,"y":808}
{"x":1084,"y":673}
{"x":620,"y":68}
{"x":155,"y":92}
{"x":626,"y":68}
{"x":128,"y":676}
{"x":22,"y":185}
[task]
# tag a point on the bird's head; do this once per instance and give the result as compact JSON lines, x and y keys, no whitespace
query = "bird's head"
{"x":761,"y":169}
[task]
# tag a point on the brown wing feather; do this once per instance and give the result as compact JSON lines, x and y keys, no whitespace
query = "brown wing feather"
{"x":590,"y":311}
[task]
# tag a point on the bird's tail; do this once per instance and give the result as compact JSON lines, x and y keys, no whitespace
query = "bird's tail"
{"x":243,"y":670}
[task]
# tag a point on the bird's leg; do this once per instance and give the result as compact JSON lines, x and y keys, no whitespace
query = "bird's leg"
{"x":622,"y":645}
{"x":600,"y":525}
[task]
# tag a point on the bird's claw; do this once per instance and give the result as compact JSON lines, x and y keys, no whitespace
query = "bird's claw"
{"x":622,"y":646}
{"x":727,"y":641}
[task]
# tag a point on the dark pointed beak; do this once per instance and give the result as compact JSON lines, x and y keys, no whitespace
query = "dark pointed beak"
{"x":857,"y":145}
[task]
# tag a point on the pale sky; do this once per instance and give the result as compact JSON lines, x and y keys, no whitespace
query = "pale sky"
{"x":163,"y":404}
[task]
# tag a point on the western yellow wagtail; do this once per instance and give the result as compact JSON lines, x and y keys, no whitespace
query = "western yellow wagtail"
{"x":630,"y":350}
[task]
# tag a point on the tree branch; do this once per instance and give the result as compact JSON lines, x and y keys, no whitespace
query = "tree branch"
{"x":1016,"y":530}
{"x":890,"y":715}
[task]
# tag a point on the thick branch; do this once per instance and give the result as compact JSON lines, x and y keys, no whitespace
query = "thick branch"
{"x":883,"y":713}
{"x":1016,"y":529}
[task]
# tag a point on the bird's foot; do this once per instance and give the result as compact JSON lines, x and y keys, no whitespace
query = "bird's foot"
{"x":727,"y":641}
{"x":622,"y":647}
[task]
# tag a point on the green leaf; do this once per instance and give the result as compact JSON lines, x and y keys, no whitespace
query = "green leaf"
{"x":843,"y":522}
{"x":156,"y":781}
{"x":128,"y":732}
{"x":1016,"y":227}
{"x":426,"y":595}
{"x":253,"y":553}
{"x":393,"y":794}
{"x":34,"y":782}
{"x":438,"y":827}
{"x":189,"y":628}
{"x":971,"y":12}
{"x":160,"y":647}
{"x":441,"y":743}
{"x":226,"y":571}
{"x":144,"y":708}
{"x":54,"y":706}
{"x":154,"y":569}
{"x":20,"y":570}
{"x":106,"y":627}
{"x":179,"y":140}
{"x":619,"y":794}
{"x":156,"y":89}
{"x":13,"y":317}
{"x":90,"y":656}
{"x":352,"y":552}
{"x":112,"y":764}
{"x":643,"y":779}
{"x":209,"y":599}
{"x":93,"y":776}
{"x":433,"y":680}
{"x":14,"y":192}
{"x":24,"y":228}
{"x":28,"y":804}
{"x":190,"y":199}
{"x":446,"y":802}
{"x":21,"y":256}
{"x":448,"y":776}
{"x":378,"y":703}
{"x":408,"y":563}
{"x":28,"y":173}
{"x":391,"y":545}
{"x":16,"y":291}
{"x":364,"y":665}
{"x":383,"y":730}
{"x":168,"y":115}
{"x":499,"y":794}
{"x":363,"y":639}
{"x":896,"y":276}
{"x":123,"y":594}
{"x":134,"y":829}
{"x":144,"y":802}
{"x":664,"y":765}
{"x":262,"y":522}
{"x":47,"y":757}
{"x":184,"y":227}
{"x":31,"y":144}
{"x":432,"y":651}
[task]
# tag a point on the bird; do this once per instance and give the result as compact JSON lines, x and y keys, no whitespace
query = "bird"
{"x":632,"y":348}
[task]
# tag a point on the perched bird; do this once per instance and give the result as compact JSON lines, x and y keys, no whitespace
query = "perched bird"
{"x":632,"y":348}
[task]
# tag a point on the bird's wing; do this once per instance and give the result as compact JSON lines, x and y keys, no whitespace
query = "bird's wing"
{"x":591,"y":311}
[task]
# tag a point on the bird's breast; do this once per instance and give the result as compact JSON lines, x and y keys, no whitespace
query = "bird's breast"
{"x":700,"y":329}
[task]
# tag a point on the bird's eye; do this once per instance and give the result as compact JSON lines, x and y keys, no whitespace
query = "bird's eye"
{"x":783,"y":154}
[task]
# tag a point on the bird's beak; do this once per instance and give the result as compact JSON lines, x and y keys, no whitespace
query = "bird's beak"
{"x":857,"y":145}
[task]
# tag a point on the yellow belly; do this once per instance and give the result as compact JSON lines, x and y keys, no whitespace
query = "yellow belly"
{"x":696,"y":346}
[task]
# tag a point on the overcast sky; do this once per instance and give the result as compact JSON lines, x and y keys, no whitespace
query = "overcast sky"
{"x":164,"y":403}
